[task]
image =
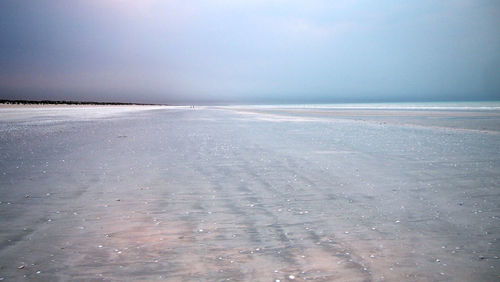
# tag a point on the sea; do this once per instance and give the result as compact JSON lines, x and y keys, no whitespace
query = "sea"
{"x":459,"y":105}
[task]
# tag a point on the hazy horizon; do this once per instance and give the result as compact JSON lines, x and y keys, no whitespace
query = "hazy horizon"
{"x":250,"y":52}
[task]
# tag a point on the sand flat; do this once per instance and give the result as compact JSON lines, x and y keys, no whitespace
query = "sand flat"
{"x":249,"y":194}
{"x":27,"y":112}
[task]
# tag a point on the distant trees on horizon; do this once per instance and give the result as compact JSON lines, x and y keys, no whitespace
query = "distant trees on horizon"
{"x":64,"y":102}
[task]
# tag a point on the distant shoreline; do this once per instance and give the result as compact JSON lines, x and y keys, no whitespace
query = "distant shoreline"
{"x":63,"y":102}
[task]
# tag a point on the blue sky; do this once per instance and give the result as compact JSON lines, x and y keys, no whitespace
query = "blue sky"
{"x":250,"y":51}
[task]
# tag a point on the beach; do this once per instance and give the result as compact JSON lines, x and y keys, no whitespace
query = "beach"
{"x":250,"y":193}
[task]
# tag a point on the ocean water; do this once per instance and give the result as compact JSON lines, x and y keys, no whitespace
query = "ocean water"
{"x":459,"y":105}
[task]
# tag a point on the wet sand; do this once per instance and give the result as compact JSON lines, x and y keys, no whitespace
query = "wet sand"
{"x":242,"y":194}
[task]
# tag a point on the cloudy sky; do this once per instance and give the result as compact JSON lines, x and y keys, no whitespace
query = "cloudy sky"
{"x":258,"y":51}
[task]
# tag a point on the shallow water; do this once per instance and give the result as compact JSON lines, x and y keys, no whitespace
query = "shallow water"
{"x":251,"y":193}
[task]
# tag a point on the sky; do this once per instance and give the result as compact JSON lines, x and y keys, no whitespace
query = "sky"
{"x":260,"y":51}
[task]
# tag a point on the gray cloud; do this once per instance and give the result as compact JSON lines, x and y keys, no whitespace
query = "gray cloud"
{"x":249,"y":51}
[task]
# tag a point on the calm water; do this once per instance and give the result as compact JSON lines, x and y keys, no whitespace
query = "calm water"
{"x":478,"y":105}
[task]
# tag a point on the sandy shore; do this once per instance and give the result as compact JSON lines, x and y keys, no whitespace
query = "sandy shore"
{"x":51,"y":113}
{"x":218,"y":194}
